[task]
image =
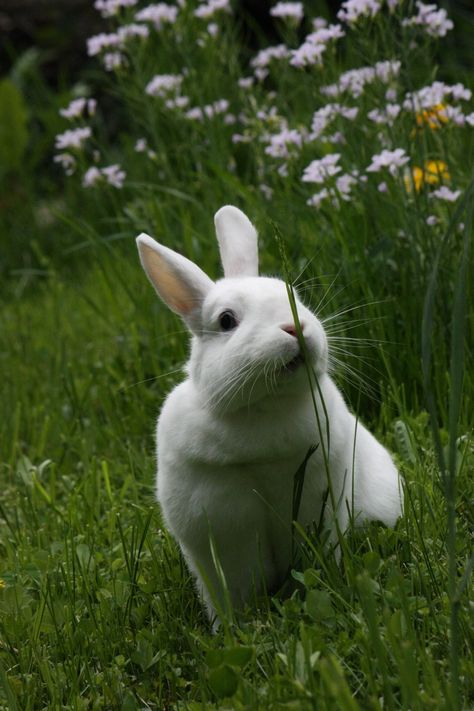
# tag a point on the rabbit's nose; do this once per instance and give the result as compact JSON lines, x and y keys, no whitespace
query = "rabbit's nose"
{"x":291,"y":329}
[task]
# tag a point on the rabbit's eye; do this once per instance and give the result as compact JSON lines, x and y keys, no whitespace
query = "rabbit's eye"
{"x":227,"y":321}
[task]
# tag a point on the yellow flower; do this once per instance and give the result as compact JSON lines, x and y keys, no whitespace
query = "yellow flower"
{"x":2,"y":584}
{"x":433,"y":172}
{"x":433,"y":117}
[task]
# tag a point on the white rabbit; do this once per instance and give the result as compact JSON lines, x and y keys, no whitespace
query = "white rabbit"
{"x":231,"y":436}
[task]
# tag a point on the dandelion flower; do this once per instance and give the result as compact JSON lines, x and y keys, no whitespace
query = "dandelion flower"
{"x":436,"y":171}
{"x":433,"y":117}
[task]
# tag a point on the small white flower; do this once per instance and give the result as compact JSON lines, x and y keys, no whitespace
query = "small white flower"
{"x":319,"y":23}
{"x":431,"y":220}
{"x":444,"y":193}
{"x":74,"y":109}
{"x":382,"y":187}
{"x":459,"y":92}
{"x":245,"y":82}
{"x":158,"y":14}
{"x":337,"y":138}
{"x":77,"y":106}
{"x":266,"y":191}
{"x":91,"y":177}
{"x":208,"y":9}
{"x":319,"y":170}
{"x":163,"y":84}
{"x":434,"y":20}
{"x":392,"y":160}
{"x":66,"y":161}
{"x":178,"y":102}
{"x":354,"y":80}
{"x":281,"y":143}
{"x":74,"y":138}
{"x":114,"y":175}
{"x":134,"y":30}
{"x":263,"y":58}
{"x":288,"y":11}
{"x":387,"y":116}
{"x":352,"y":10}
{"x":213,"y":29}
{"x":317,"y":199}
{"x":102,"y":41}
{"x":314,"y":46}
{"x":241,"y":138}
{"x":344,"y":184}
{"x":113,"y":60}
{"x":141,"y":145}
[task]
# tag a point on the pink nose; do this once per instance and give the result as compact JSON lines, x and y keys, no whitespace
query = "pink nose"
{"x":290,"y":328}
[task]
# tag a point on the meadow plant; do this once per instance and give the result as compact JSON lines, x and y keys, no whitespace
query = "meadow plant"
{"x":353,"y":158}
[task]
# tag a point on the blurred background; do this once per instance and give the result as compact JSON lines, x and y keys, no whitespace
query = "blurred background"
{"x":43,"y":59}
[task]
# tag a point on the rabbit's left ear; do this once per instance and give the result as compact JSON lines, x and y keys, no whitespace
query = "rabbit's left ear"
{"x":237,"y":239}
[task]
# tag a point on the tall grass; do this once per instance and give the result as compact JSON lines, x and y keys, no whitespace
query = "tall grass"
{"x":97,"y":609}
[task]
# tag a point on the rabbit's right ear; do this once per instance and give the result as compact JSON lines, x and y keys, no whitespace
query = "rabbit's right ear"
{"x":178,"y":281}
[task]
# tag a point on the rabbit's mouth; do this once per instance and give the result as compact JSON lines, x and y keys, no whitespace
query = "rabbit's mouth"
{"x":294,"y":363}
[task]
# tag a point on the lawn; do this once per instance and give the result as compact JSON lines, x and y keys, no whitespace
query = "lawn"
{"x":353,"y":157}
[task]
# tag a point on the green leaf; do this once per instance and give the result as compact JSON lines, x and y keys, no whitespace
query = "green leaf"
{"x":404,"y":443}
{"x":371,"y":562}
{"x":234,"y":656}
{"x":223,"y":681}
{"x":319,"y":606}
{"x":13,"y":126}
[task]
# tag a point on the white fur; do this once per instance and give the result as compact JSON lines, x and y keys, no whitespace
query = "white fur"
{"x":232,"y":435}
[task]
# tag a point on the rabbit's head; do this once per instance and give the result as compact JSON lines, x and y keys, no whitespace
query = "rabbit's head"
{"x":245,"y":344}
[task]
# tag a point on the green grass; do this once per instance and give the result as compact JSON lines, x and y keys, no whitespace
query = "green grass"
{"x":97,"y":609}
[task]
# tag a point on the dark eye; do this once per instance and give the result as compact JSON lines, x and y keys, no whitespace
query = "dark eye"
{"x":227,"y":321}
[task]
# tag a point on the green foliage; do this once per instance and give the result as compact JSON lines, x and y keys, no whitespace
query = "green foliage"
{"x":13,"y":128}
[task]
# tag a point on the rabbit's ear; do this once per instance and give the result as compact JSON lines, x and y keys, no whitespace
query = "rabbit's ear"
{"x":178,"y":281}
{"x":237,"y":239}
